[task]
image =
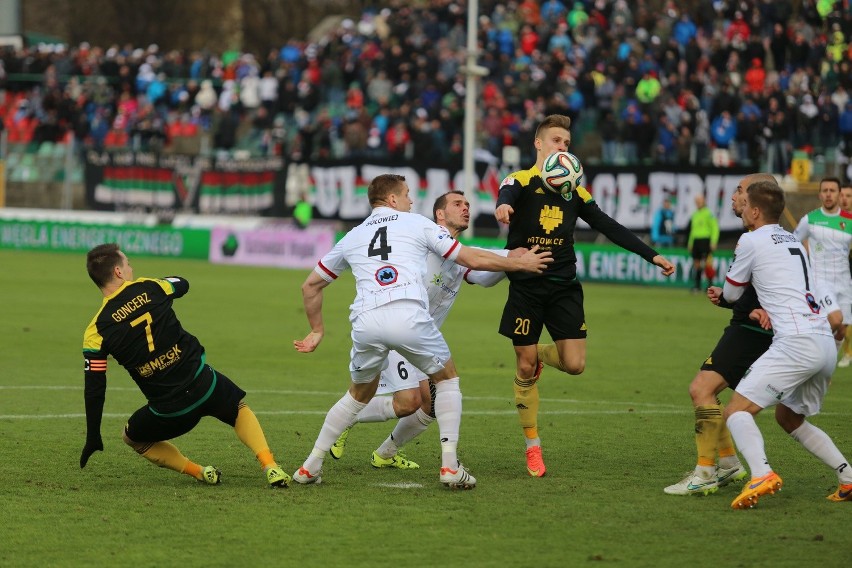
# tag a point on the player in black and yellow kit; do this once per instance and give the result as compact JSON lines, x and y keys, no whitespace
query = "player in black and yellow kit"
{"x":138,"y":327}
{"x":554,"y":299}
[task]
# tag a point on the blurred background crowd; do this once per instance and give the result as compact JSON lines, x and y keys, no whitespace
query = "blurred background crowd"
{"x":755,"y":78}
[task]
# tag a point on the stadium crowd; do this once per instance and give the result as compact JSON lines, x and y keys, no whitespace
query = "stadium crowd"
{"x":753,"y":77}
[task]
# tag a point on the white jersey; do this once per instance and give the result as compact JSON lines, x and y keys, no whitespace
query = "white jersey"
{"x":386,"y":253}
{"x":829,"y":237}
{"x":444,"y":280}
{"x":775,"y":263}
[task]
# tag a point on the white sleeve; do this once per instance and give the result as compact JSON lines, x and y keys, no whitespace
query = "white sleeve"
{"x":439,"y":240}
{"x":739,"y":273}
{"x":333,"y":263}
{"x":484,"y":277}
{"x":802,"y":229}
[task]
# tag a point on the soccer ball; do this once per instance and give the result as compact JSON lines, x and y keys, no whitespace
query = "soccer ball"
{"x":562,"y":172}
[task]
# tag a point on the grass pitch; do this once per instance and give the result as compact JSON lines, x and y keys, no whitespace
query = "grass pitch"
{"x":613,"y":438}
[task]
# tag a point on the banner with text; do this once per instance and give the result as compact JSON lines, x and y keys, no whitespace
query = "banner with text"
{"x":629,"y":195}
{"x":141,"y":181}
{"x":82,"y":237}
{"x":284,"y":247}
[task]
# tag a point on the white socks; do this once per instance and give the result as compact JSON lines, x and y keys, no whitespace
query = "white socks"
{"x":408,"y":428}
{"x":448,"y":409}
{"x":339,"y":418}
{"x":820,"y":444}
{"x":379,"y":409}
{"x":749,"y":440}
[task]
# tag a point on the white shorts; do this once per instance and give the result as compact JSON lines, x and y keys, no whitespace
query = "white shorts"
{"x":794,"y":371}
{"x":399,"y":375}
{"x":404,"y":326}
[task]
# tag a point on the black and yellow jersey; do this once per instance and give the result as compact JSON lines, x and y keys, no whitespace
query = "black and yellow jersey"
{"x":138,"y":327}
{"x":742,"y":308}
{"x":548,"y":219}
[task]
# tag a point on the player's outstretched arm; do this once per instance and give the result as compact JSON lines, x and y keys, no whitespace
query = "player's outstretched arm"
{"x":478,"y":259}
{"x":312,"y":299}
{"x":665,"y":264}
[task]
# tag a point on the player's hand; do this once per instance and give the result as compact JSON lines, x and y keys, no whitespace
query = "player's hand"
{"x":518,"y":252}
{"x":714,"y":294}
{"x":309,"y":343}
{"x":535,"y":260}
{"x":91,"y":447}
{"x":504,"y":213}
{"x":761,"y":317}
{"x":663,"y":262}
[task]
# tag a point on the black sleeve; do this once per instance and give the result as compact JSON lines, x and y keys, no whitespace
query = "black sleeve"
{"x":508,"y":194}
{"x":94,"y":394}
{"x":615,"y":231}
{"x":181,"y":285}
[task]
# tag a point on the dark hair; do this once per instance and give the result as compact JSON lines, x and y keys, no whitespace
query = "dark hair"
{"x":100,"y":262}
{"x":831,"y":180}
{"x":769,"y":198}
{"x":382,"y":186}
{"x":551,"y":121}
{"x":441,"y":202}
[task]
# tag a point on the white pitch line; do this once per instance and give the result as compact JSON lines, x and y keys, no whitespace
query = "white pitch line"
{"x":337,"y":394}
{"x":403,"y":485}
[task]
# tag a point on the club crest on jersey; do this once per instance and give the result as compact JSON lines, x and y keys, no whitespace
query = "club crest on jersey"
{"x":549,"y":218}
{"x":386,"y":275}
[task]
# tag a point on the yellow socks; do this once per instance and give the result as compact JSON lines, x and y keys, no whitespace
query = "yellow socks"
{"x":164,"y":454}
{"x":526,"y":401}
{"x":549,"y":355}
{"x":251,"y":434}
{"x":708,"y":425}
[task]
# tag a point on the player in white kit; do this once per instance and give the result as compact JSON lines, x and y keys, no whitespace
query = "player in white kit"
{"x":409,"y":387}
{"x":794,"y":372}
{"x":827,"y":233}
{"x":387,"y":254}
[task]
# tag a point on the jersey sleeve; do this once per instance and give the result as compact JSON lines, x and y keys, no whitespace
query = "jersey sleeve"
{"x":486,"y":278}
{"x":510,"y":189}
{"x":174,"y":286}
{"x":739,"y":273}
{"x":94,"y":377}
{"x":610,"y":228}
{"x":439,"y":240}
{"x":802,"y":229}
{"x":333,"y":263}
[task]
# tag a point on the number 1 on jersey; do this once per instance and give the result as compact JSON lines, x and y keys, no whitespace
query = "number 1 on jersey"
{"x":383,"y":249}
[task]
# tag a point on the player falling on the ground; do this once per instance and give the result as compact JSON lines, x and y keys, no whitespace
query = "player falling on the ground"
{"x":411,"y":400}
{"x":138,"y":327}
{"x":794,"y":373}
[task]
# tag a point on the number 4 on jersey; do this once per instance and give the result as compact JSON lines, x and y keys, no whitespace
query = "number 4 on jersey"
{"x":383,"y":249}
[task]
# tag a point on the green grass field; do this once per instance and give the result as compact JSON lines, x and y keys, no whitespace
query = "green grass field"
{"x":613,"y":438}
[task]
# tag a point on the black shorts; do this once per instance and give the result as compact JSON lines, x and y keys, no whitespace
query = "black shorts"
{"x":700,"y":249}
{"x":536,"y":303}
{"x":737,"y":349}
{"x":210,"y":394}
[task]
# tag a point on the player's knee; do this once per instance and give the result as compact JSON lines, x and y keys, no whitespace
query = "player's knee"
{"x":407,"y":404}
{"x":575,"y":366}
{"x":135,"y":445}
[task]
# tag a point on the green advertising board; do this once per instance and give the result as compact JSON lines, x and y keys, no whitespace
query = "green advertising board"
{"x":138,"y":240}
